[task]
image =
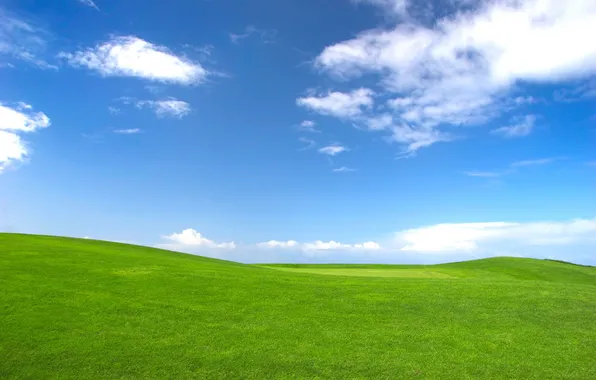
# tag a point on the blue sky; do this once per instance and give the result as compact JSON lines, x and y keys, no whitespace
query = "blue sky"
{"x":303,"y":131}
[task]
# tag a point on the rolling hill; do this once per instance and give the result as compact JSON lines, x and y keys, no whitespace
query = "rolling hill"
{"x":81,"y":309}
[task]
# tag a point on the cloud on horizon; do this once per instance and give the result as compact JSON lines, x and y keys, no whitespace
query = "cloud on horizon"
{"x":571,"y":240}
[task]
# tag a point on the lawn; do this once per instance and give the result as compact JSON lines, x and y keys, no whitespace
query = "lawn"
{"x":83,"y":309}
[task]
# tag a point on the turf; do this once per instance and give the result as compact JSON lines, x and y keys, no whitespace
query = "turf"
{"x":82,"y":309}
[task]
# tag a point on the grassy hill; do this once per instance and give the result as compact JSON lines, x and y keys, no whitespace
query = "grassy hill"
{"x":82,"y":309}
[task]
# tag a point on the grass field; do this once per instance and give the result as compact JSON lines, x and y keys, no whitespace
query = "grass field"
{"x":84,"y":309}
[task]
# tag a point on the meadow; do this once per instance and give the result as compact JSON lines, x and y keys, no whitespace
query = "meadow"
{"x":85,"y":309}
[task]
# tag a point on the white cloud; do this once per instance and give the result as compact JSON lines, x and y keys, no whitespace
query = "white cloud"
{"x":467,"y":237}
{"x":309,"y":143}
{"x":12,"y":149}
{"x":21,"y":118}
{"x":333,"y":150}
{"x":308,"y":126}
{"x":513,"y":168}
{"x":573,"y":240}
{"x":22,"y":40}
{"x":88,"y":3}
{"x":130,"y":131}
{"x":343,"y":169}
{"x":525,"y":100}
{"x":168,"y":107}
{"x":415,"y":138}
{"x":334,"y":245}
{"x":520,"y":129}
{"x":133,"y":57}
{"x":339,"y":104}
{"x":14,"y":121}
{"x":540,"y":161}
{"x":483,"y":174}
{"x":459,"y":70}
{"x":267,"y":36}
{"x":582,"y":91}
{"x":113,"y":110}
{"x":319,"y":245}
{"x":190,"y":238}
{"x":397,"y":7}
{"x":278,"y":244}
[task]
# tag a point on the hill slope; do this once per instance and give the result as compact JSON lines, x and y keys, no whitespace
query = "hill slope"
{"x":72,"y":308}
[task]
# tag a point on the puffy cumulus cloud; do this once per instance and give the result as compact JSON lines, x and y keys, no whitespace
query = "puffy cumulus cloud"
{"x":520,"y":129}
{"x":134,"y":57}
{"x":459,"y":69}
{"x":492,"y":237}
{"x":339,"y":104}
{"x":14,"y":121}
{"x":12,"y":149}
{"x":190,"y":238}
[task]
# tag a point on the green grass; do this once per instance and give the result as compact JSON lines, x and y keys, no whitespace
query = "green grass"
{"x":83,"y":309}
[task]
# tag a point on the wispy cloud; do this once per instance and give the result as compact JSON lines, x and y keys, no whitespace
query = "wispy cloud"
{"x":520,"y":100}
{"x":266,"y":36}
{"x":484,"y":174}
{"x":309,"y":143}
{"x":23,"y":40}
{"x":520,"y":129}
{"x":513,"y":168}
{"x":130,"y":131}
{"x":579,"y":92}
{"x":308,"y":126}
{"x":169,"y":107}
{"x":343,"y":169}
{"x":89,"y":3}
{"x":333,"y":150}
{"x":540,"y":161}
{"x":16,"y":120}
{"x":133,"y":57}
{"x":395,"y":7}
{"x":113,"y":110}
